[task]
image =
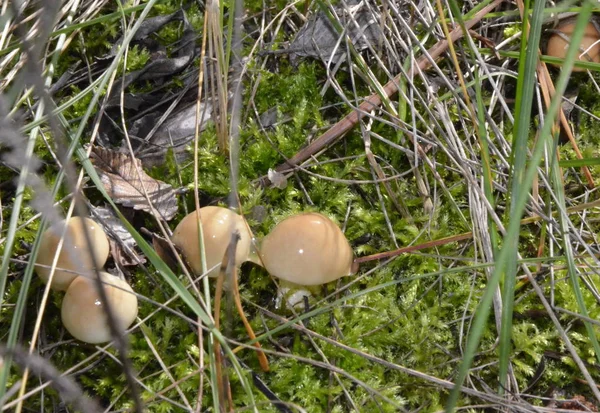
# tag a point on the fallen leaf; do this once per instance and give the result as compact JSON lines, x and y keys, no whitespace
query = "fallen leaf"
{"x":175,"y":133}
{"x":125,"y":181}
{"x":319,"y":38}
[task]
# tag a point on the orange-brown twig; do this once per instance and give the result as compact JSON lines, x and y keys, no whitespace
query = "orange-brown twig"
{"x":425,"y":245}
{"x":229,"y":265}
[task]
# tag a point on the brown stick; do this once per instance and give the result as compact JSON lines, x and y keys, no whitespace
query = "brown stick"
{"x":430,"y":244}
{"x":371,"y":103}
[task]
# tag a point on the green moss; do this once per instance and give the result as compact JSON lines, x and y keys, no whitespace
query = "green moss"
{"x":137,"y":58}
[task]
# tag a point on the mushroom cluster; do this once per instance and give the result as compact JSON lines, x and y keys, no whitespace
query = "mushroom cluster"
{"x":83,"y":312}
{"x":305,"y":249}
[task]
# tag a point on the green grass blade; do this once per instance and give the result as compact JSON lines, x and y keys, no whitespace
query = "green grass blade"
{"x":511,"y":238}
{"x":578,"y":163}
{"x":97,"y":88}
{"x":168,"y":275}
{"x":108,"y":18}
{"x":521,"y":131}
{"x":563,"y":218}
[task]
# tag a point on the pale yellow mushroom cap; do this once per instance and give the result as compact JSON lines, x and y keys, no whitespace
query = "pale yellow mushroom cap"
{"x":84,"y":314}
{"x":307,"y":249}
{"x":74,"y":255}
{"x":217,"y":226}
{"x":589,"y":48}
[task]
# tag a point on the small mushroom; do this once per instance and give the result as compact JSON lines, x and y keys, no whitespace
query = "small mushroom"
{"x":217,"y":226}
{"x":84,"y":314}
{"x":589,"y":49}
{"x":75,"y":257}
{"x":307,"y":249}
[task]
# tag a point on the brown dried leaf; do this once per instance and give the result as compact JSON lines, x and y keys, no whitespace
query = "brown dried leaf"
{"x":119,"y":174}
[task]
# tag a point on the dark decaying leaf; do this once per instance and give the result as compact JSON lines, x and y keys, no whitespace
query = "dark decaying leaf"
{"x":159,"y":65}
{"x":319,"y":38}
{"x":175,"y":133}
{"x":122,"y":244}
{"x":164,"y":116}
{"x":125,"y":181}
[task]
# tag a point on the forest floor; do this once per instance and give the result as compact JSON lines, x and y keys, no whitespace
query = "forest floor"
{"x":459,"y":160}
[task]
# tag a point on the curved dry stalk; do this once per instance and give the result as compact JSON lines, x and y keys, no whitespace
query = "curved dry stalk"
{"x":68,"y":389}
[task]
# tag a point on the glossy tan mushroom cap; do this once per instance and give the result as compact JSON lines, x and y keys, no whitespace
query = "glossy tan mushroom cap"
{"x":307,"y":249}
{"x":217,"y":226}
{"x":74,"y":255}
{"x":589,"y":48}
{"x":83,"y":313}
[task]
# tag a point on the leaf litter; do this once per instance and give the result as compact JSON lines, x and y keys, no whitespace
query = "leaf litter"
{"x":163,"y":118}
{"x":320,"y":39}
{"x":127,"y":184}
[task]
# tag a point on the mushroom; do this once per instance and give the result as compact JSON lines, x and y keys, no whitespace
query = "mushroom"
{"x":217,"y":226}
{"x":307,"y":249}
{"x":84,"y":314}
{"x":589,"y":49}
{"x":75,"y":257}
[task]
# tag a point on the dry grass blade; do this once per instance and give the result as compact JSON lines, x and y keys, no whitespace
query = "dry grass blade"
{"x":548,"y":92}
{"x":40,"y":78}
{"x":68,"y":389}
{"x":127,"y":184}
{"x":217,"y":64}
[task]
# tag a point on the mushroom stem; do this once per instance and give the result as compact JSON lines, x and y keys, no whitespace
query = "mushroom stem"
{"x":228,"y":267}
{"x":262,"y":358}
